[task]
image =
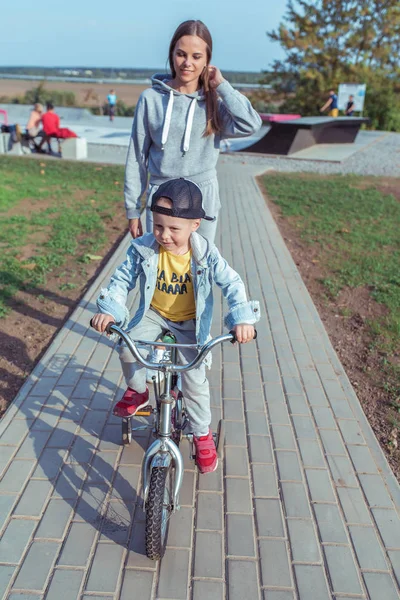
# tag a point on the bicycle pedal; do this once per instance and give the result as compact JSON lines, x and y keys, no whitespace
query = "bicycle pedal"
{"x":147,"y":411}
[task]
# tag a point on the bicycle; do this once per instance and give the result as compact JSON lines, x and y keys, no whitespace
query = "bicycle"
{"x":162,"y":466}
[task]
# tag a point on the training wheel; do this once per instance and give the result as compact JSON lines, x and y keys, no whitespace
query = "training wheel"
{"x":220,"y":438}
{"x":126,"y":431}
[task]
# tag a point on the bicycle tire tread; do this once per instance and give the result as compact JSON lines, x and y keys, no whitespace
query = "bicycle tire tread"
{"x":154,"y":544}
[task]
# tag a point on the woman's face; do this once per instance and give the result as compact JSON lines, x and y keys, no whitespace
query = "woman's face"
{"x":190,"y":58}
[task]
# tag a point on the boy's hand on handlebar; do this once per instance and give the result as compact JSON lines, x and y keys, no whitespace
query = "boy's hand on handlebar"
{"x":100,"y":321}
{"x":244,"y":333}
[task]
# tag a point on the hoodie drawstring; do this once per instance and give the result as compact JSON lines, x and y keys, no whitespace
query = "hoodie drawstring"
{"x":167,"y":121}
{"x":189,"y":124}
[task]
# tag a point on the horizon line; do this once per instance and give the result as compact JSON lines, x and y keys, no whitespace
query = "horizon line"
{"x":155,"y":69}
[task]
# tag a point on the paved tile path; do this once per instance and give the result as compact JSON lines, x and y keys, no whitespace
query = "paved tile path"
{"x":304,"y":506}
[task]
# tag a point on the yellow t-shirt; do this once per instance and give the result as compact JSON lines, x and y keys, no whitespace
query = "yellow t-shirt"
{"x":174,"y":296}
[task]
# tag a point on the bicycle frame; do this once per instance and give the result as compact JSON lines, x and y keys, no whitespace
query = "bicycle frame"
{"x":163,"y":450}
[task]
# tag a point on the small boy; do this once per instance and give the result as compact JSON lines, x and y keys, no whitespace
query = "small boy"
{"x":176,"y":269}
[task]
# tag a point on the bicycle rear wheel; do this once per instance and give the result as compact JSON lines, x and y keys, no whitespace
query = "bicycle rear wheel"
{"x":178,"y":418}
{"x":220,"y":438}
{"x":158,"y":511}
{"x":126,"y":431}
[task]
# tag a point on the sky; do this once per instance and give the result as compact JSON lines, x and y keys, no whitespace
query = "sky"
{"x":135,"y":33}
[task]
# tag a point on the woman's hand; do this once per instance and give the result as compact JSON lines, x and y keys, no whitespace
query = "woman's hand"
{"x":99,"y":321}
{"x":244,"y":333}
{"x":135,"y":227}
{"x":214,"y":76}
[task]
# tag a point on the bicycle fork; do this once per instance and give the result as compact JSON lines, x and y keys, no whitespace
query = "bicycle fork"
{"x":160,"y":454}
{"x":163,"y":450}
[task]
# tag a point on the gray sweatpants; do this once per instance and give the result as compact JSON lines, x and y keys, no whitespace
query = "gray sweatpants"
{"x":211,"y":205}
{"x":195,"y":387}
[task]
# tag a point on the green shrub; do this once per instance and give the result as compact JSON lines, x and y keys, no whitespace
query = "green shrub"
{"x":122,"y":109}
{"x":43,"y":95}
{"x":382,"y":106}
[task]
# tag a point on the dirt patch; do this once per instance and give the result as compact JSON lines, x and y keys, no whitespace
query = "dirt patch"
{"x":38,"y":313}
{"x":29,"y":206}
{"x":346,"y":321}
{"x":386,"y":186}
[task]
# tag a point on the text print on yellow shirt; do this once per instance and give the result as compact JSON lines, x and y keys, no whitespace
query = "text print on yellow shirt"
{"x":174,"y":296}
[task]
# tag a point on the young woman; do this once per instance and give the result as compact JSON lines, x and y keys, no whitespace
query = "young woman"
{"x":179,"y":123}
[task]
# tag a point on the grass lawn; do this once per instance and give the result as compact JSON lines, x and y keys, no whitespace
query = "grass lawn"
{"x":357,"y":229}
{"x":52,"y":212}
{"x":348,"y":232}
{"x":59,"y":221}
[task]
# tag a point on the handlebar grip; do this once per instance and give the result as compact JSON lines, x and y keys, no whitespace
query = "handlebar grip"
{"x":108,"y":327}
{"x":234,"y":336}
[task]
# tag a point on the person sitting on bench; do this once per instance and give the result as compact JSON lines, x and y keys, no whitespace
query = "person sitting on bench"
{"x":51,"y":125}
{"x":52,"y":129}
{"x":34,"y":126}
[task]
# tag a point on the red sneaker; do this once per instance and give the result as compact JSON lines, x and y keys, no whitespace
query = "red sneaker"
{"x":130,"y":403}
{"x":206,"y":453}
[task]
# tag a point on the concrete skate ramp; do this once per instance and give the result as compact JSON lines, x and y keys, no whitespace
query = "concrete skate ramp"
{"x":287,"y":137}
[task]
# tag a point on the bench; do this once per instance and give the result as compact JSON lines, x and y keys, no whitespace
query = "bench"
{"x":287,"y":137}
{"x":74,"y":148}
{"x":7,"y":146}
{"x":4,"y":142}
{"x":70,"y":148}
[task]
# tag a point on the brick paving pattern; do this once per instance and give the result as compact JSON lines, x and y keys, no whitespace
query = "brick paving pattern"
{"x":304,"y":505}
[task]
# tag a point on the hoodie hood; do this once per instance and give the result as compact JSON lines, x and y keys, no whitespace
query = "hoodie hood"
{"x":161,"y":81}
{"x":160,"y":84}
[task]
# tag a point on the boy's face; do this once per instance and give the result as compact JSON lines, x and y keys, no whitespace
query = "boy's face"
{"x":173,"y":233}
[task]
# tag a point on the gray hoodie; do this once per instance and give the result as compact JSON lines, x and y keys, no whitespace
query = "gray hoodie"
{"x":167,"y":136}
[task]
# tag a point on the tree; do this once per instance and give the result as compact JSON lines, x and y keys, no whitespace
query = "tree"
{"x":328,"y":42}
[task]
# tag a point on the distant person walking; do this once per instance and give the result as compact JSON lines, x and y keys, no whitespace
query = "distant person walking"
{"x":112,"y":103}
{"x":332,"y":104}
{"x":178,"y":126}
{"x":350,"y":107}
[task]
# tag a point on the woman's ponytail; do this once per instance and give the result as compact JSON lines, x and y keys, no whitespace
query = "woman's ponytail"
{"x":213,"y":125}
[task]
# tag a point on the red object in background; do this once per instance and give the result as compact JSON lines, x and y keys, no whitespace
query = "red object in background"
{"x":51,"y":123}
{"x":51,"y":127}
{"x":274,"y":118}
{"x":63,"y":133}
{"x":4,"y":113}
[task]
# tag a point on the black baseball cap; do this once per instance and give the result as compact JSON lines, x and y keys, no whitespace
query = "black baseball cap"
{"x":186,"y":198}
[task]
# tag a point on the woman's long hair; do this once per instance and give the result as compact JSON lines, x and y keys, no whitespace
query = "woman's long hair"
{"x":198,"y":28}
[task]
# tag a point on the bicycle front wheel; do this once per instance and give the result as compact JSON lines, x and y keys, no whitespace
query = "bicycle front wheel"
{"x":158,"y":511}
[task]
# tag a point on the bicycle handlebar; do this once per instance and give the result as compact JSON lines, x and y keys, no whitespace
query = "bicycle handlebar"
{"x":204,"y":350}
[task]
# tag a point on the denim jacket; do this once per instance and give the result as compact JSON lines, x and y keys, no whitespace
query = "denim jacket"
{"x":208,"y":268}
